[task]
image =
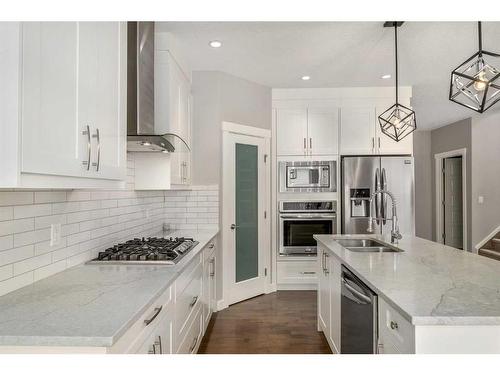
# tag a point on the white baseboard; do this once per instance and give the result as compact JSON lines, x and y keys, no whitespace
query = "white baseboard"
{"x":221,"y":305}
{"x":297,"y":287}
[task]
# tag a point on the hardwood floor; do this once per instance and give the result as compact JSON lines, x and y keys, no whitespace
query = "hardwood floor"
{"x":279,"y":323}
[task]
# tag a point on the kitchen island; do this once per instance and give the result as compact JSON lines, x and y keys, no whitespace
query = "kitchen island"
{"x":431,"y":298}
{"x":100,"y":308}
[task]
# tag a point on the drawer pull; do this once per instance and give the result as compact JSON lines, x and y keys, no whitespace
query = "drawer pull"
{"x":156,"y":312}
{"x":308,"y":273}
{"x":211,"y":246}
{"x":193,"y":345}
{"x":394,"y":325}
{"x":193,"y":302}
{"x":158,"y":342}
{"x":212,"y":272}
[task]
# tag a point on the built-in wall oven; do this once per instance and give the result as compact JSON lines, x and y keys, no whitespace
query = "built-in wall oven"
{"x":308,"y":176}
{"x":300,"y":220}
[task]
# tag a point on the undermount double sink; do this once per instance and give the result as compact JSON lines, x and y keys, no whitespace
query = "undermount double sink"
{"x":367,"y":246}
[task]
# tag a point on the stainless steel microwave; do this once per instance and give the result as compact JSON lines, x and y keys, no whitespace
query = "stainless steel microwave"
{"x":308,"y":176}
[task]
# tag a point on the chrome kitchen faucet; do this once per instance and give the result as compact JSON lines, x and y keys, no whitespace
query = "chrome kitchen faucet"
{"x":395,"y":235}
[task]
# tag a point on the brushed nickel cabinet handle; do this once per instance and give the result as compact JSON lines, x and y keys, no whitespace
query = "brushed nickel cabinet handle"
{"x":379,"y":143}
{"x":308,"y":273}
{"x":310,"y":144}
{"x":155,"y":314}
{"x":211,"y":246}
{"x":394,"y":325}
{"x":212,"y":272}
{"x":98,"y":164}
{"x":158,"y":342}
{"x":89,"y":148}
{"x":193,"y":301}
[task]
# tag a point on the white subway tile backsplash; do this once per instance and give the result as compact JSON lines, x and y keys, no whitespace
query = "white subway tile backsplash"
{"x":32,"y":210}
{"x":91,"y":221}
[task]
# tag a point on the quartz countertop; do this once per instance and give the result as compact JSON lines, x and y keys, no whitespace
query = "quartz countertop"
{"x":90,"y":304}
{"x":429,"y":283}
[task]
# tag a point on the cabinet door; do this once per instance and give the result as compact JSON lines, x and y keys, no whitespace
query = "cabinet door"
{"x":208,"y":288}
{"x":324,"y":293}
{"x":322,"y":129}
{"x":357,"y":130}
{"x":160,"y":340}
{"x":291,"y":131}
{"x":335,"y":300}
{"x":386,"y":145}
{"x":102,"y":95}
{"x":51,"y":126}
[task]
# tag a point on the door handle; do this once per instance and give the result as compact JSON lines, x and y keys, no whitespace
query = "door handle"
{"x":98,"y":138}
{"x":89,"y":148}
{"x":234,"y":226}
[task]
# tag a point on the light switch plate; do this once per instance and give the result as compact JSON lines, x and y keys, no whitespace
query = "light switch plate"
{"x":55,"y":234}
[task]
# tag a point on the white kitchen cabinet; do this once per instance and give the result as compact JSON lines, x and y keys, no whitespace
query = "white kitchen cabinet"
{"x":209,"y":282}
{"x":322,"y":131}
{"x":160,"y":340}
{"x":295,"y":274}
{"x":71,"y":112}
{"x":324,"y":293}
{"x":291,"y":130}
{"x":303,"y":132}
{"x":329,"y":298}
{"x":173,"y":112}
{"x":357,"y":130}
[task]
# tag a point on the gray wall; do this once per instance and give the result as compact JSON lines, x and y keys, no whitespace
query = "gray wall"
{"x":448,"y":138}
{"x":485,"y":175}
{"x":423,"y":184}
{"x":221,"y":97}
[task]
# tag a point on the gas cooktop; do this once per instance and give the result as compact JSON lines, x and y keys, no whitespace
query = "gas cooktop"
{"x":151,"y":250}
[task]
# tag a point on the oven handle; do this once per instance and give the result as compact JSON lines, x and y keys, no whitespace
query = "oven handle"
{"x":333,"y":216}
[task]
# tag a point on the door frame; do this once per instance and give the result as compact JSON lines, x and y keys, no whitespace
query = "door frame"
{"x":438,"y":160}
{"x":228,"y":129}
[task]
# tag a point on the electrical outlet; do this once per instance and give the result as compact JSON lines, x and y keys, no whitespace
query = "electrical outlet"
{"x":480,"y":199}
{"x":55,"y":234}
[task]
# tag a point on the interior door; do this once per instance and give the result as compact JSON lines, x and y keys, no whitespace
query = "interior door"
{"x":453,"y":210}
{"x":323,"y":130}
{"x":397,"y":177}
{"x":244,"y":190}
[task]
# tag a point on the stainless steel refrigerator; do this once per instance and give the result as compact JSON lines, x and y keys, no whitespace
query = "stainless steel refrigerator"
{"x":361,"y":176}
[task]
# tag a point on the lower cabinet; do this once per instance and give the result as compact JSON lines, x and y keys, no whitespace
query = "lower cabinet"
{"x":209,"y":282}
{"x":329,"y":273}
{"x":297,"y":274}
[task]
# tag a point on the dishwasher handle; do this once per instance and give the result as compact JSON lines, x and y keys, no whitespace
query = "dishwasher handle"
{"x":361,"y":298}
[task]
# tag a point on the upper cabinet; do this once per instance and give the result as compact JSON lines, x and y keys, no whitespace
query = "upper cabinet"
{"x":72,"y":107}
{"x":306,"y":132}
{"x":173,"y":111}
{"x":357,"y":130}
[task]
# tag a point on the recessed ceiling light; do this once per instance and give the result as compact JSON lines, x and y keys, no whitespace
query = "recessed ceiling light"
{"x":386,"y":76}
{"x":215,"y":44}
{"x":306,"y":78}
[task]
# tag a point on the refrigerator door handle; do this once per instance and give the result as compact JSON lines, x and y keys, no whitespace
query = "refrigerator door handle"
{"x":384,"y":198}
{"x":378,"y":186}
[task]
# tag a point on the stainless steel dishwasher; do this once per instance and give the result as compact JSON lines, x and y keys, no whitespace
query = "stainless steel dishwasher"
{"x":359,"y":322}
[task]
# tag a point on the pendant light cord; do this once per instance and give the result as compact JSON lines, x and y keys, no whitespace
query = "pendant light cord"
{"x":396,"y":49}
{"x":480,"y":37}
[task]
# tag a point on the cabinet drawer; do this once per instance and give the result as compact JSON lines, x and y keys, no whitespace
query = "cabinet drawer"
{"x":297,"y":272}
{"x":159,"y":341}
{"x":185,"y":277}
{"x":394,"y":328}
{"x":188,"y":301}
{"x":191,"y":341}
{"x":159,"y":310}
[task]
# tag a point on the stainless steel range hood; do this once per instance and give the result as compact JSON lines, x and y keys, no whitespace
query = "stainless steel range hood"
{"x":143,"y":135}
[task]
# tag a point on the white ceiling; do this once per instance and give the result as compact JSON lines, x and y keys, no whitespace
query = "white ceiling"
{"x":341,"y":54}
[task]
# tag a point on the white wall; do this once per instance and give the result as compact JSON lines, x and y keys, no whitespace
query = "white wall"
{"x":485,"y":175}
{"x":221,"y":97}
{"x":423,"y":184}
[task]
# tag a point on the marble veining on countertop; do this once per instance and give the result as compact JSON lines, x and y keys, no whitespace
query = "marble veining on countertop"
{"x":429,"y":283}
{"x":90,"y":304}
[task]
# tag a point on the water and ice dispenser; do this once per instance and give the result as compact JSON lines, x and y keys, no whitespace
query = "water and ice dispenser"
{"x":360,"y":202}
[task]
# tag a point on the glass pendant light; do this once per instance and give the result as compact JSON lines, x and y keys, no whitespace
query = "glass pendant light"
{"x":397,"y":121}
{"x":475,"y":84}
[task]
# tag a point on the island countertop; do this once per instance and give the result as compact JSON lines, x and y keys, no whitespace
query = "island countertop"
{"x":429,"y":283}
{"x":90,"y":304}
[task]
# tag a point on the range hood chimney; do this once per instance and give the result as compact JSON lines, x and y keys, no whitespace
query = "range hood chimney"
{"x":143,"y":134}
